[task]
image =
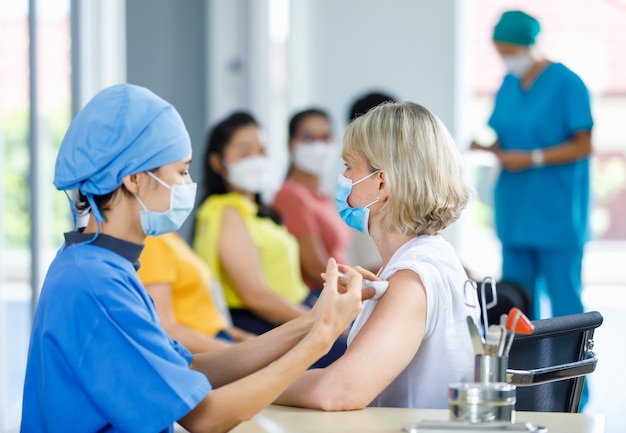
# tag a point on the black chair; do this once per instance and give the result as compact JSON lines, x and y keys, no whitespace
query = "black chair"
{"x":549,"y":366}
{"x":508,"y":295}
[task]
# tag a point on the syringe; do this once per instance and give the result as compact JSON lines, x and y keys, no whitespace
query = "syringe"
{"x":379,"y":285}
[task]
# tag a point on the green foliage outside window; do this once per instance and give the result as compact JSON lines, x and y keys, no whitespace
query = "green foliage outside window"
{"x":16,"y":174}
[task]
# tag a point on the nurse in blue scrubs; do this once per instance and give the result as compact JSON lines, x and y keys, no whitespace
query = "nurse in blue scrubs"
{"x":542,"y":119}
{"x":99,"y":360}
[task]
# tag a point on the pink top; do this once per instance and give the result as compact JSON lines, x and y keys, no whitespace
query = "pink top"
{"x":306,"y":212}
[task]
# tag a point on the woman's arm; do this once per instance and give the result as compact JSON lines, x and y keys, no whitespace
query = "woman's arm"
{"x":381,"y":350}
{"x":242,"y":261}
{"x":239,"y":334}
{"x":260,"y":369}
{"x":193,"y":340}
{"x":313,"y":257}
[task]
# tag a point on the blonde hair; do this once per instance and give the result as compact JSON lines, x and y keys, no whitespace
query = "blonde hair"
{"x":420,"y":162}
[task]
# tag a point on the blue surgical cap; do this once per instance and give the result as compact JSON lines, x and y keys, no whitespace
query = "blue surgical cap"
{"x":125,"y":129}
{"x":516,"y":27}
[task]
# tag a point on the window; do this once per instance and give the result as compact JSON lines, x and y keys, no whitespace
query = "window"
{"x":34,"y":114}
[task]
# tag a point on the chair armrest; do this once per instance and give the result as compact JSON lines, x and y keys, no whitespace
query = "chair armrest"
{"x":552,"y":374}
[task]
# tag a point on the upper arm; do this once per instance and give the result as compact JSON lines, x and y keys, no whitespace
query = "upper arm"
{"x":577,"y":104}
{"x":161,"y":294}
{"x":582,"y":141}
{"x":382,"y":349}
{"x":240,"y":256}
{"x":123,"y":320}
{"x":313,"y":257}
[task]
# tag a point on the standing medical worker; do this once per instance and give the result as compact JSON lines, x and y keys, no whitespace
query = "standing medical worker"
{"x":99,"y":360}
{"x":542,"y":119}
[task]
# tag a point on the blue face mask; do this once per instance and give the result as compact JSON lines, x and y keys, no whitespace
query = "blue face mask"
{"x":182,"y":201}
{"x":355,"y":217}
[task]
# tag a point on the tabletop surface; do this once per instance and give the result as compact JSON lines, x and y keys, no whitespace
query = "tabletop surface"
{"x":281,"y":419}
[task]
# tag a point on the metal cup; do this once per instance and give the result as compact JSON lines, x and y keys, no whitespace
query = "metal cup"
{"x":482,"y":402}
{"x":490,"y":368}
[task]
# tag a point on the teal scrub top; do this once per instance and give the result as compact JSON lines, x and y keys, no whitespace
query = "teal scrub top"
{"x":99,"y":360}
{"x":545,"y":206}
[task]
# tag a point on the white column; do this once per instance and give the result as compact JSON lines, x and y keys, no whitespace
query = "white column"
{"x":98,"y":47}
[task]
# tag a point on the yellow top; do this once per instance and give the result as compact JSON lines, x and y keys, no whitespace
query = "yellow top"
{"x":280,"y":258}
{"x":168,"y":259}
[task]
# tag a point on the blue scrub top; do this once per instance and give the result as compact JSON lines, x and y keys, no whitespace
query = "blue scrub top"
{"x":99,"y":360}
{"x":545,"y":206}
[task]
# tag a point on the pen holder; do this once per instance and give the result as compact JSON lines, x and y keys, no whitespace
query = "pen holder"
{"x":482,"y":402}
{"x":490,"y":368}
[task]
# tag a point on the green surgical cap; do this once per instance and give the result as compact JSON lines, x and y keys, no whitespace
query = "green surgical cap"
{"x":516,"y":27}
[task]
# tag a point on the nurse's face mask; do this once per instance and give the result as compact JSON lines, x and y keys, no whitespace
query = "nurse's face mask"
{"x":182,"y":201}
{"x":518,"y":65}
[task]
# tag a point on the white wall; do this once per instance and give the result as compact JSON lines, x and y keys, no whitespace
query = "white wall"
{"x":339,"y":50}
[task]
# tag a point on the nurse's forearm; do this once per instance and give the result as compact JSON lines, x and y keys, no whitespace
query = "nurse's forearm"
{"x":225,"y":407}
{"x":577,"y":148}
{"x":273,"y":307}
{"x":193,"y":340}
{"x":229,"y":364}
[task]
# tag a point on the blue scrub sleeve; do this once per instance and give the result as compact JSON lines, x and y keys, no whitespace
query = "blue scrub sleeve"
{"x":135,"y":374}
{"x":578,"y":106}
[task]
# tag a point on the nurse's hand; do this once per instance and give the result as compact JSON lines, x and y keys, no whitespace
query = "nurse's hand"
{"x":338,"y":306}
{"x":514,"y":160}
{"x":346,"y":271}
{"x":474,"y":145}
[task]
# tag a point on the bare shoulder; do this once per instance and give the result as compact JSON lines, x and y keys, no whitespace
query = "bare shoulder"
{"x":406,"y":281}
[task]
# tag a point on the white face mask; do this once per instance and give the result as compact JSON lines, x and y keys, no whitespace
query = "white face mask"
{"x":251,"y":174}
{"x":518,"y":65}
{"x":314,"y":158}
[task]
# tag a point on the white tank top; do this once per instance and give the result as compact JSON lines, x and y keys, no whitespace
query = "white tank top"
{"x":445,"y":355}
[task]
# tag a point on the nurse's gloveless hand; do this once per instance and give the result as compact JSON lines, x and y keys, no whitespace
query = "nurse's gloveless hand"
{"x":367,"y":292}
{"x":336,"y":307}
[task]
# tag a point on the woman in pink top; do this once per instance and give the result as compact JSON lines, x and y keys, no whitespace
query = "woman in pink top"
{"x":308,"y":213}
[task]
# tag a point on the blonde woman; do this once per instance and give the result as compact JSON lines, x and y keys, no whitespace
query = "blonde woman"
{"x":402,"y":185}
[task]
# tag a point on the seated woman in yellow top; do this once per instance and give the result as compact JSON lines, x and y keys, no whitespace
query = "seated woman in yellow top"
{"x":179,"y":282}
{"x":255,"y":259}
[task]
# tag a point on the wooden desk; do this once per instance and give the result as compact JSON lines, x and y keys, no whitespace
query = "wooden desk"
{"x":281,"y":419}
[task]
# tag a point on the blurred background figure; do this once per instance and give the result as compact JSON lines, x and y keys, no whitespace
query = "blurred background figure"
{"x":306,"y":210}
{"x":179,"y":282}
{"x":254,"y":258}
{"x":366,"y":102}
{"x":542,"y":120}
